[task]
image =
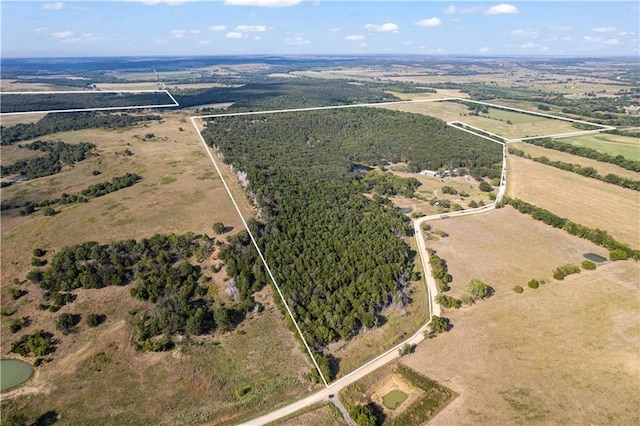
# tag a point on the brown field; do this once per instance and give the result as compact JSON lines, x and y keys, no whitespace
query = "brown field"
{"x":441,"y":93}
{"x":513,"y":248}
{"x":555,"y":155}
{"x":97,"y":378}
{"x":157,"y":204}
{"x":583,"y":200}
{"x":15,"y":86}
{"x":566,"y":353}
{"x":12,"y":120}
{"x":321,"y":416}
{"x":194,"y":383}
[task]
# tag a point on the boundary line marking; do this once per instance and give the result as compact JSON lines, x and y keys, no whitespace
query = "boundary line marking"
{"x":65,"y":92}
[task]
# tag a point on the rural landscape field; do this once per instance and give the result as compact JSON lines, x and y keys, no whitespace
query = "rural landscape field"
{"x":205,"y":230}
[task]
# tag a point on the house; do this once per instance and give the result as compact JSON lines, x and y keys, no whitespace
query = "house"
{"x":429,"y":173}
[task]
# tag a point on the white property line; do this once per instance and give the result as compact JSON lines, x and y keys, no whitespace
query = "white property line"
{"x":77,"y":92}
{"x":255,"y":244}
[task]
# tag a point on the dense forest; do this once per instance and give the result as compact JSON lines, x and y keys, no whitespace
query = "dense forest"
{"x":56,"y":122}
{"x":58,"y":154}
{"x":79,"y":100}
{"x":277,"y":94}
{"x":337,"y":255}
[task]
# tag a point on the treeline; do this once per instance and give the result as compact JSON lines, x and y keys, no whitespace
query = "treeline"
{"x":58,"y":154}
{"x":93,"y":191}
{"x":278,"y":94}
{"x":596,"y":236}
{"x":63,"y":101}
{"x":54,"y":123}
{"x":582,"y":151}
{"x":591,"y":173}
{"x":163,"y":275}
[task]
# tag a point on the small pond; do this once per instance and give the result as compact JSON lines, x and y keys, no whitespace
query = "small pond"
{"x":405,"y":210}
{"x":13,"y":372}
{"x":393,"y":399}
{"x":359,"y":168}
{"x":595,"y":257}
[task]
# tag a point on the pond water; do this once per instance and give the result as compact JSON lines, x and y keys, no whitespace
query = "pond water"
{"x":595,"y":257}
{"x":393,"y":399}
{"x":13,"y":372}
{"x":359,"y":168}
{"x":405,"y":210}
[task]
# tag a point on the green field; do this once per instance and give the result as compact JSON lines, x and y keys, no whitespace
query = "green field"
{"x":626,"y":146}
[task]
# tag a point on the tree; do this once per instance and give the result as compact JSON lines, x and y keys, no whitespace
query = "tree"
{"x":439,"y":324}
{"x":406,"y":349}
{"x":618,"y":254}
{"x":518,"y":289}
{"x":478,"y":290}
{"x":67,"y":322}
{"x":588,"y":265}
{"x":49,"y":211}
{"x":363,"y":415}
{"x":94,"y":320}
{"x":38,"y":252}
{"x":219,"y":228}
{"x":485,"y":187}
{"x":533,"y":283}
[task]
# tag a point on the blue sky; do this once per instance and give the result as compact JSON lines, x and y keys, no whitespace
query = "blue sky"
{"x":231,"y":27}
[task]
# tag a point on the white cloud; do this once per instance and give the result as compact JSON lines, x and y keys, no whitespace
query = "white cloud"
{"x":70,"y":37}
{"x":529,"y":45}
{"x":611,"y":42}
{"x":450,"y":10}
{"x":560,"y":28}
{"x":178,"y":33}
{"x":53,"y":6}
{"x":384,"y":28}
{"x":63,"y":34}
{"x":195,"y":31}
{"x":589,"y":38}
{"x":217,"y":28}
{"x":622,"y":34}
{"x":484,"y":49}
{"x":431,"y":22}
{"x":251,"y":28}
{"x":41,"y":29}
{"x":262,"y":3}
{"x":603,"y":29}
{"x":335,"y":30}
{"x":234,"y":34}
{"x":204,"y":41}
{"x":502,"y":9}
{"x":524,"y":33}
{"x":154,"y":2}
{"x":296,"y":41}
{"x":567,"y":38}
{"x":354,"y":37}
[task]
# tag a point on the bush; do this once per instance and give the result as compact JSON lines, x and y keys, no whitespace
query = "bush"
{"x":49,"y":211}
{"x":406,"y":349}
{"x":16,"y":293}
{"x":618,"y":254}
{"x":39,"y":343}
{"x":38,"y":262}
{"x":533,"y":283}
{"x":518,"y":289}
{"x":564,"y":270}
{"x":363,"y":415}
{"x":478,"y":290}
{"x":588,"y":265}
{"x":439,"y":324}
{"x":485,"y":187}
{"x":67,"y":322}
{"x":218,"y":228}
{"x":449,"y":190}
{"x":447,"y":301}
{"x":15,"y":325}
{"x":94,"y":320}
{"x":38,"y":252}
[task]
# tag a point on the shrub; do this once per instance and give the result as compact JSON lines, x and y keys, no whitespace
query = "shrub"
{"x":478,"y":290}
{"x":473,"y":204}
{"x":448,"y":301}
{"x":16,"y":293}
{"x":38,"y":252}
{"x":67,"y":322}
{"x":94,"y":320}
{"x":15,"y":325}
{"x":218,"y":228}
{"x":533,"y":283}
{"x":439,"y":324}
{"x":618,"y":254}
{"x":38,"y":262}
{"x":564,"y":270}
{"x":363,"y":415}
{"x":588,"y":265}
{"x":449,"y":190}
{"x":49,"y":211}
{"x":406,"y":349}
{"x":485,"y":187}
{"x":518,"y":289}
{"x":39,"y":343}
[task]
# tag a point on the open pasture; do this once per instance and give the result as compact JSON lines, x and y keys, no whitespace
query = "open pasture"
{"x":555,"y":155}
{"x":583,"y":200}
{"x":626,"y":146}
{"x":565,"y":353}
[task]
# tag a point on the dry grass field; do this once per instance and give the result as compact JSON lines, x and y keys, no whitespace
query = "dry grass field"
{"x":583,"y":200}
{"x":197,"y":381}
{"x":566,"y":353}
{"x":555,"y":155}
{"x":321,"y":416}
{"x":506,"y":249}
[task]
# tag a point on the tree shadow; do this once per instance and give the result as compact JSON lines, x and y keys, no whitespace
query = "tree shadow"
{"x":48,"y":418}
